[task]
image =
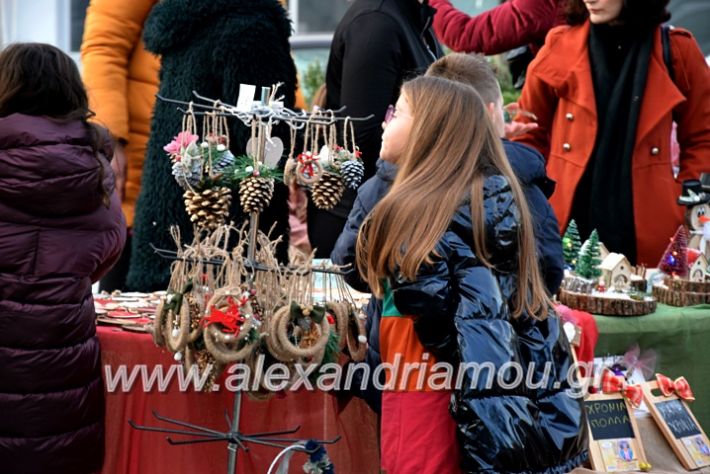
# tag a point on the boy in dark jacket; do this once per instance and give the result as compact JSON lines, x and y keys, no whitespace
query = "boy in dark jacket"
{"x":376,"y":46}
{"x":529,"y":168}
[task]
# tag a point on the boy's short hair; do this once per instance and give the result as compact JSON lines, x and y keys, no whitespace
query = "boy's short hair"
{"x":471,"y":69}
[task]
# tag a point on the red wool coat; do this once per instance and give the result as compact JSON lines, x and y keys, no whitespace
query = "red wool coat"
{"x":559,"y":91}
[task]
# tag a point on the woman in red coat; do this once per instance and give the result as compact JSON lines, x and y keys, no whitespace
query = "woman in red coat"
{"x":605,"y":100}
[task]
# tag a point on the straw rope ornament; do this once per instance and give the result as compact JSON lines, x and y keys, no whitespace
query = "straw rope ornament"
{"x":235,"y":345}
{"x":308,"y":168}
{"x":309,"y":342}
{"x":340,"y":312}
{"x":290,"y":173}
{"x":159,"y":323}
{"x":173,"y":323}
{"x":357,"y":336}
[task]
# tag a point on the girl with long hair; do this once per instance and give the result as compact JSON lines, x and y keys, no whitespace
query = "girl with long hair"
{"x":61,"y":228}
{"x":450,"y":250}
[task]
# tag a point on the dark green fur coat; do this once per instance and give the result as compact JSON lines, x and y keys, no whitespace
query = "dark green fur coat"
{"x":210,"y":46}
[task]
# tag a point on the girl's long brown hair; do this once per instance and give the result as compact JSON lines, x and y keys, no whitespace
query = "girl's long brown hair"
{"x":453,"y":147}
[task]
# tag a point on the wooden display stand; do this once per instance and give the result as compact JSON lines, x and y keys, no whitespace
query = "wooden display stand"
{"x":677,"y":292}
{"x":679,"y":426}
{"x":614,"y":438}
{"x":607,"y":306}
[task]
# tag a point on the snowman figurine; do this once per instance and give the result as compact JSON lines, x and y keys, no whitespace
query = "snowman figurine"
{"x":697,"y":215}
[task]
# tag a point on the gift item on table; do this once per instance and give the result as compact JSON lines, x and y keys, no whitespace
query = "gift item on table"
{"x":684,"y":273}
{"x":603,"y":282}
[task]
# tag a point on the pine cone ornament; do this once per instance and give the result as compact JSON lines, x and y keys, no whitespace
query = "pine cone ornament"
{"x":225,"y":161}
{"x":328,"y":191}
{"x":255,"y":193}
{"x":187,"y":177}
{"x":352,"y":172}
{"x":208,"y":209}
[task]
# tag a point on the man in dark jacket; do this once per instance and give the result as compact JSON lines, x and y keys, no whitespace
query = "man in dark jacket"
{"x":377,"y":45}
{"x":529,"y":167}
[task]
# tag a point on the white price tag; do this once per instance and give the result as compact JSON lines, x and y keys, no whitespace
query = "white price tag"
{"x":246,"y":97}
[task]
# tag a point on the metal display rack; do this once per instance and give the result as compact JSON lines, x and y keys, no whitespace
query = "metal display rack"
{"x":266,"y":112}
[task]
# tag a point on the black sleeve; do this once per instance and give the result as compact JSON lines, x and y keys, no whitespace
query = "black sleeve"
{"x":344,"y":251}
{"x":371,"y":76}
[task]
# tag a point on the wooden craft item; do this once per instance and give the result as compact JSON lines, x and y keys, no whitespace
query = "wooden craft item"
{"x":608,"y":306}
{"x":679,"y":426}
{"x":614,"y":439}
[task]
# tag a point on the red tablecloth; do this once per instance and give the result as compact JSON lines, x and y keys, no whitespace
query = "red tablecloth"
{"x":139,"y":452}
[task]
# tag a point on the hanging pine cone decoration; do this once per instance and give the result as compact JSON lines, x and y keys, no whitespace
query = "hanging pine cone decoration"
{"x":352,"y":172}
{"x":208,"y":209}
{"x":225,"y":161}
{"x":255,"y":193}
{"x":187,"y":173}
{"x":328,"y":191}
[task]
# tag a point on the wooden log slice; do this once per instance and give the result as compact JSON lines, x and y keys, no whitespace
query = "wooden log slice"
{"x":606,"y":306}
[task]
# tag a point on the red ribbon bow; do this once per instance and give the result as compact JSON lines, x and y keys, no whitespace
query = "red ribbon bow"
{"x":307,"y":160}
{"x":679,"y":386}
{"x":617,"y":384}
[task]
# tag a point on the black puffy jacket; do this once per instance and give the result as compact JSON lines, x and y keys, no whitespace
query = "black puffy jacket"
{"x":464,"y":315}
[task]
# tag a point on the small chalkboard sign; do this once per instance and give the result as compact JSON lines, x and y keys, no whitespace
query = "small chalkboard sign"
{"x":679,"y":426}
{"x":614,"y":440}
{"x":609,"y":419}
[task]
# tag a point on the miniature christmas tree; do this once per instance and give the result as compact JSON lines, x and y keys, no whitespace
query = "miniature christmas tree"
{"x":571,"y":244}
{"x":675,"y":259}
{"x":589,"y":258}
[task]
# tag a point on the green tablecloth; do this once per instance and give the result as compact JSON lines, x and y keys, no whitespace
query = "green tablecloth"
{"x":681,"y":339}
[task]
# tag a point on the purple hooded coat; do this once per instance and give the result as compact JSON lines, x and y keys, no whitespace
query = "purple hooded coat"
{"x":56,"y":238}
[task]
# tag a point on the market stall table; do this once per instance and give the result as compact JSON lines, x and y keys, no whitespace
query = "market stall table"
{"x":681,"y":339}
{"x":129,"y":451}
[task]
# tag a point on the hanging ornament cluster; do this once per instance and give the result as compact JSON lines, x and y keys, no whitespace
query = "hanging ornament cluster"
{"x":255,"y":173}
{"x":218,"y":310}
{"x":198,"y":168}
{"x":327,"y":169}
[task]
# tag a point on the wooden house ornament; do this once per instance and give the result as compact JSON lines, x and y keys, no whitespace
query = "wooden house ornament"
{"x":616,"y":271}
{"x":698,"y":266}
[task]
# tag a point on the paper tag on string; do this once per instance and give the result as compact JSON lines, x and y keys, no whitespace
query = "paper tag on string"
{"x":246,"y":97}
{"x":273,"y":151}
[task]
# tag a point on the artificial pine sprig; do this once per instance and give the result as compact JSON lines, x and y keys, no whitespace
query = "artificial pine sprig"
{"x":243,"y":167}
